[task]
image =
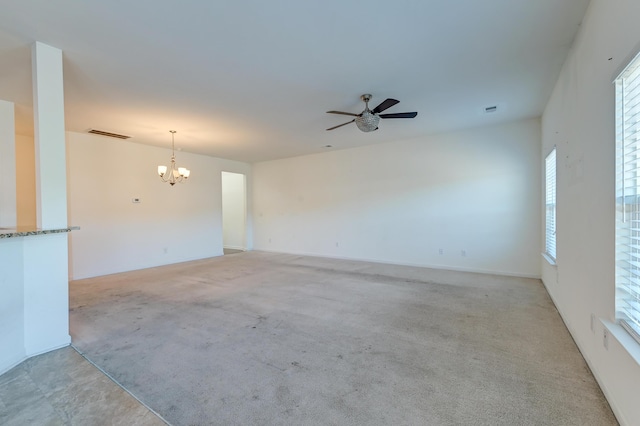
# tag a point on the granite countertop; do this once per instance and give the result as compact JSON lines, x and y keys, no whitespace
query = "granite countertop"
{"x":25,"y":231}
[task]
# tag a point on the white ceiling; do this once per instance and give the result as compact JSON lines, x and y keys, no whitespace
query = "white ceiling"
{"x":251,"y":80}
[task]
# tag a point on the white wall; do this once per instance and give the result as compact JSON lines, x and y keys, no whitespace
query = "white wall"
{"x":234,"y":210}
{"x":169,"y":225}
{"x":26,"y":181}
{"x":46,"y":292}
{"x":8,"y":208}
{"x":579,"y":119}
{"x":12,"y":349}
{"x":34,"y":307}
{"x":476,"y":190}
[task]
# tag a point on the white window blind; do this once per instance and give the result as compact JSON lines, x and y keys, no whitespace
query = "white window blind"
{"x":628,"y":198}
{"x":550,"y":203}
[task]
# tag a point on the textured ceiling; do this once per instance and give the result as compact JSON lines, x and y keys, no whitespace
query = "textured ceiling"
{"x":251,"y":80}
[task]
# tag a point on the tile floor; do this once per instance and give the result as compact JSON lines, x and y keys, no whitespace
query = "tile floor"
{"x":63,"y":388}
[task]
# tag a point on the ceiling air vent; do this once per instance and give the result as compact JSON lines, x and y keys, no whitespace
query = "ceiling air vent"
{"x":108,"y":134}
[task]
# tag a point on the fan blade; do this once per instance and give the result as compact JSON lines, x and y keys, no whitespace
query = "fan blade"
{"x":399,"y":115}
{"x":340,"y":125}
{"x":387,"y":103}
{"x":343,"y":113}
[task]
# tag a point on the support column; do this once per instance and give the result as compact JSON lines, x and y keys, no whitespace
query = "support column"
{"x":48,"y":120}
{"x":45,"y":257}
{"x":8,"y":204}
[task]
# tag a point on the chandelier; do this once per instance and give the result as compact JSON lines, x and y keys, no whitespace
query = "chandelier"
{"x":176,"y":174}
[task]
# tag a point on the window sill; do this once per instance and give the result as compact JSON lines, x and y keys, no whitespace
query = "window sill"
{"x":549,"y":259}
{"x":624,"y":338}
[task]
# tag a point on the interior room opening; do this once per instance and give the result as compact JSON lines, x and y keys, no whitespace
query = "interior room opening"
{"x":234,"y":212}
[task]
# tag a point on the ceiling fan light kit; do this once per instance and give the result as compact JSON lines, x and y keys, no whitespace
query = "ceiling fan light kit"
{"x":367,"y":120}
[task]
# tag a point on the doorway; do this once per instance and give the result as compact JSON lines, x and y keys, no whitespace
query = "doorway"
{"x":234,"y":212}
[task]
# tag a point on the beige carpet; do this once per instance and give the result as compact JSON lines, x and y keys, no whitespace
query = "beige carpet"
{"x":270,"y":339}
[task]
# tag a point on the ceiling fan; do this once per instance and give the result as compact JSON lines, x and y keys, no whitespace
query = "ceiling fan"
{"x":367,"y":120}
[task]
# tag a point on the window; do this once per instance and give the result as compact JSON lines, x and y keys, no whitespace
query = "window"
{"x":550,"y":203}
{"x":628,"y":198}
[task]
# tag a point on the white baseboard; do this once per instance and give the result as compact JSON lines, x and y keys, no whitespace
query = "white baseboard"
{"x":26,"y":357}
{"x":13,"y":364}
{"x":419,"y":265}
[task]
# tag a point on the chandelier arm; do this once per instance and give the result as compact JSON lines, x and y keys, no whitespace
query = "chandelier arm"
{"x":168,"y":173}
{"x":167,"y":176}
{"x":178,"y":176}
{"x":164,"y":176}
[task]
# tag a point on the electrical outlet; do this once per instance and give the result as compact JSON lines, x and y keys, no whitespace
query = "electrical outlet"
{"x":337,"y":245}
{"x":440,"y":251}
{"x":136,"y":200}
{"x":165,"y":250}
{"x":593,"y":323}
{"x":463,"y":253}
{"x":605,"y":338}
